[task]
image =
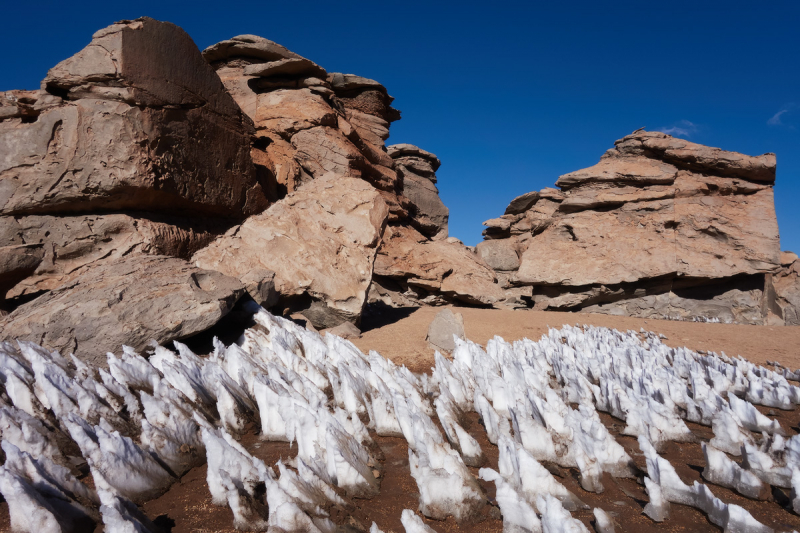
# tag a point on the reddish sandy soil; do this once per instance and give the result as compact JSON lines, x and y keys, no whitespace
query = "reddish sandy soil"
{"x":187,"y":506}
{"x":403,"y":340}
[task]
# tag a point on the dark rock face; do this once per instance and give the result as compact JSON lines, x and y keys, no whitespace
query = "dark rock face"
{"x":659,"y":227}
{"x":130,"y":301}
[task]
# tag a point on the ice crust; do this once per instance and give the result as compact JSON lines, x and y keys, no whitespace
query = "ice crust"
{"x":146,"y":421}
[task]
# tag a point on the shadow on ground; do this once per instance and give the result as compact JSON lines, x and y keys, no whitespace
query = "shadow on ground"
{"x":378,"y":315}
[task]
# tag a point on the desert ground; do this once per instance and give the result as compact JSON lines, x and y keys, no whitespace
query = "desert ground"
{"x":400,"y":334}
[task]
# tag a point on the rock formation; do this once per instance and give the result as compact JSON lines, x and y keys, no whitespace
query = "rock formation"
{"x":132,"y":301}
{"x":256,"y":163}
{"x":131,"y":146}
{"x":141,"y":145}
{"x":313,"y":128}
{"x":660,"y":227}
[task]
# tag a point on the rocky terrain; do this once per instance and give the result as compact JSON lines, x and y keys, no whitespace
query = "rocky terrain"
{"x":246,"y":164}
{"x":660,"y":227}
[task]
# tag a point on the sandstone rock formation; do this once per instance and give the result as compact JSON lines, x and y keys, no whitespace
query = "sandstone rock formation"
{"x":131,"y":146}
{"x":131,"y":301}
{"x":320,"y":241}
{"x":411,"y":269}
{"x":316,"y":127}
{"x":139,"y":144}
{"x":659,"y":227}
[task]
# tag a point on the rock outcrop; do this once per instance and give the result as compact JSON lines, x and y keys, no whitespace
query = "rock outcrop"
{"x":320,"y":139}
{"x":659,"y":227}
{"x":272,"y":176}
{"x":131,"y":146}
{"x":139,"y":144}
{"x":320,"y":242}
{"x":130,"y":301}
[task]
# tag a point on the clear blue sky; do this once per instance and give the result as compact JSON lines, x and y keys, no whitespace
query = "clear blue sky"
{"x":508,"y":94}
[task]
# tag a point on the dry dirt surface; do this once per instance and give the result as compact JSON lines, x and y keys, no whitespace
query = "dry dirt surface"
{"x":403,"y":341}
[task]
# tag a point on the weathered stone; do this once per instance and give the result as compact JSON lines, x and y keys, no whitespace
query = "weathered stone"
{"x":634,"y":170}
{"x":131,"y":301}
{"x":322,"y":150}
{"x":444,"y":326}
{"x":654,"y":211}
{"x":651,"y":239}
{"x":429,"y":212}
{"x":417,"y":169}
{"x":522,"y":203}
{"x":136,"y":140}
{"x":287,"y":111}
{"x":737,"y":302}
{"x":786,"y":282}
{"x":372,"y":129}
{"x":350,"y":82}
{"x":696,"y":157}
{"x":370,"y":98}
{"x":61,"y":248}
{"x":17,"y":263}
{"x":260,"y":285}
{"x":499,"y":254}
{"x":403,"y":150}
{"x":439,"y":266}
{"x":320,"y":241}
{"x":285,"y":67}
{"x":345,"y":330}
{"x":251,"y":47}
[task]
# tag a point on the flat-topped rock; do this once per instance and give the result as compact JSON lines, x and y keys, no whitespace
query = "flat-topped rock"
{"x":655,"y":210}
{"x":351,"y":82}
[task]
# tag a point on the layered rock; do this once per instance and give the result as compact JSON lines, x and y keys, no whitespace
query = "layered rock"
{"x":417,"y":168}
{"x":314,"y":127}
{"x":132,"y":301}
{"x":131,"y":146}
{"x":659,"y":227}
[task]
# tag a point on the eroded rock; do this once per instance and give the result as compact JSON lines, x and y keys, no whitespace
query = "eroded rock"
{"x":320,"y":242}
{"x":131,"y":300}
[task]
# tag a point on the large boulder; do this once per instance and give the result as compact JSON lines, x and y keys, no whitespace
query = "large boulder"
{"x":131,"y":146}
{"x":320,"y":241}
{"x":141,"y":121}
{"x":56,"y":249}
{"x":656,"y":215}
{"x":131,"y":300}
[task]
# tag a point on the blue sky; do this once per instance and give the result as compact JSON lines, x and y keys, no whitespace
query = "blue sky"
{"x":509,"y":95}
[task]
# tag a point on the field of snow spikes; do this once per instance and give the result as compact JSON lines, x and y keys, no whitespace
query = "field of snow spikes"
{"x":143,"y":423}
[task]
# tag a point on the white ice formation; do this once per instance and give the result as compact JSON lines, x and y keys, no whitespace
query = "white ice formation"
{"x":145,"y":422}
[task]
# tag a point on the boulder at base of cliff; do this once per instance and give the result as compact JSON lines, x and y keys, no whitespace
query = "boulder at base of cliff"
{"x":320,"y":241}
{"x":444,"y":326}
{"x":129,"y":301}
